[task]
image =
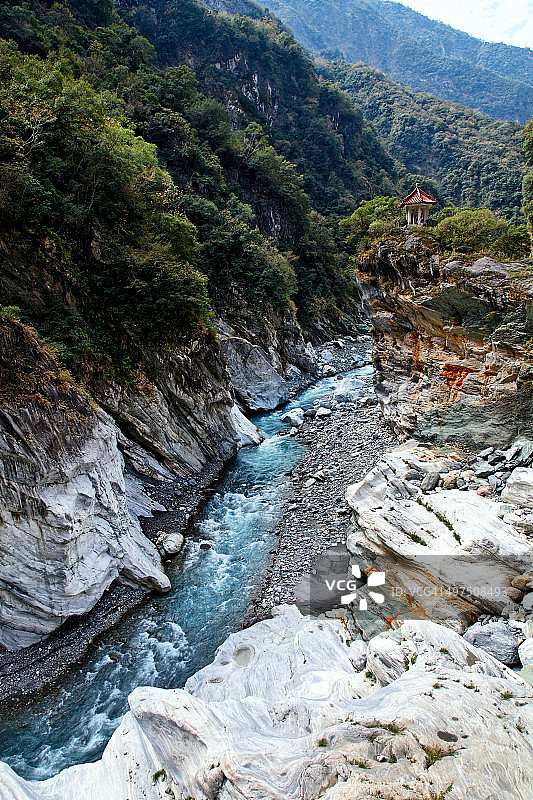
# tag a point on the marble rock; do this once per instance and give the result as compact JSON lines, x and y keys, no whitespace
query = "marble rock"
{"x":450,"y":552}
{"x":294,"y":417}
{"x":169,"y":544}
{"x":519,"y":487}
{"x":289,"y":711}
{"x":257,"y":383}
{"x":71,"y":522}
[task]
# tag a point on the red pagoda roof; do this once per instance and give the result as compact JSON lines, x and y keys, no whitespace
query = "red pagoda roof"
{"x":418,"y":195}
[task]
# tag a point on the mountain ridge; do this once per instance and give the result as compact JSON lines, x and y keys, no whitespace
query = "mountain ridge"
{"x":416,"y":51}
{"x":476,"y":161}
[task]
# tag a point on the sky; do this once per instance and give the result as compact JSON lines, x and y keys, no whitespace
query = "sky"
{"x":509,"y":21}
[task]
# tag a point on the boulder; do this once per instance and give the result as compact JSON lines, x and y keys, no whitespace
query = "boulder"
{"x":523,"y":582}
{"x":449,"y":481}
{"x":519,"y":487}
{"x":430,"y":482}
{"x":169,"y":544}
{"x":327,"y":356}
{"x":246,"y":433}
{"x":294,"y":417}
{"x":497,"y":639}
{"x":447,"y":554}
{"x":525,"y":653}
{"x":527,"y":602}
{"x":322,"y":412}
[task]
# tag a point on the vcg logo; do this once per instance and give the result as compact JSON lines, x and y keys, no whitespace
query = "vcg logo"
{"x":348,"y":588}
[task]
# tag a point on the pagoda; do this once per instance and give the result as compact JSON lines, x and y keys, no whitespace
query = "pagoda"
{"x":417,"y":206}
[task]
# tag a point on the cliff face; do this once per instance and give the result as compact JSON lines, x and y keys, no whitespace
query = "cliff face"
{"x":186,"y":415}
{"x":261,"y":351}
{"x":419,"y":52}
{"x":452,"y":343}
{"x":65,"y":530}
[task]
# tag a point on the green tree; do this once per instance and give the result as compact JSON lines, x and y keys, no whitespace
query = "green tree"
{"x":527,"y":186}
{"x":85,"y":199}
{"x":369,"y":221}
{"x":471,"y":230}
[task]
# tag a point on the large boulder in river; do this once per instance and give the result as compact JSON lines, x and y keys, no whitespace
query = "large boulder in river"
{"x":257,"y":384}
{"x":294,"y":417}
{"x":169,"y":544}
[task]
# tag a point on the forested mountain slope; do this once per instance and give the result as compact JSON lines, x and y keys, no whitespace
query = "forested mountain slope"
{"x":475,"y":160}
{"x":261,"y":74}
{"x":148,"y":226}
{"x":496,"y":79}
{"x":112,"y":238}
{"x":469,"y":158}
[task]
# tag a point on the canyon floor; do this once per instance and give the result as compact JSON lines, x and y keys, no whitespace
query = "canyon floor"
{"x":342,"y":448}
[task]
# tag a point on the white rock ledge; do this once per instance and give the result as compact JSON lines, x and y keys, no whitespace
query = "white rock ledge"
{"x":431,"y":543}
{"x":289,"y":710}
{"x":75,"y":532}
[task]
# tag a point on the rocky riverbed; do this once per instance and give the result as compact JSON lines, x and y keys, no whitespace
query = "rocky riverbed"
{"x":302,"y":708}
{"x":343,"y":446}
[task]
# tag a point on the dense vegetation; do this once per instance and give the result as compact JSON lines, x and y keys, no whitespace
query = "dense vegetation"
{"x":496,"y":79}
{"x":137,"y":193}
{"x":528,"y":180}
{"x":370,"y":222}
{"x":84,"y":202}
{"x":465,"y":233}
{"x":261,"y":75}
{"x":129,"y":204}
{"x":474,"y":160}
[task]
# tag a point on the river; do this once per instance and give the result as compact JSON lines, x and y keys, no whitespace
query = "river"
{"x":170,"y":637}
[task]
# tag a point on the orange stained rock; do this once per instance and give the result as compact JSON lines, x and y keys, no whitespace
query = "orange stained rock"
{"x":454,"y":375}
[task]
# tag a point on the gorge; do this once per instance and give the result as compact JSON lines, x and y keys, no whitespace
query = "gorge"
{"x":266,"y":452}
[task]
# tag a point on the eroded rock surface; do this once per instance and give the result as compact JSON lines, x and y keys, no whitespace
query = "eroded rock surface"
{"x":257,"y":384}
{"x":65,"y":530}
{"x":292,"y":709}
{"x":449,"y":553}
{"x":186,"y":416}
{"x":451,"y":343}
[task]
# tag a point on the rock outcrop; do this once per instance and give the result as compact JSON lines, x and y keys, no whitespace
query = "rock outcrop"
{"x":186,"y":416}
{"x":67,"y":504}
{"x":257,"y":384}
{"x":65,"y":530}
{"x":449,"y":553}
{"x":292,"y":708}
{"x":452,"y":343}
{"x":262,"y":352}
